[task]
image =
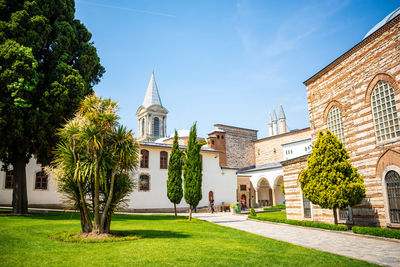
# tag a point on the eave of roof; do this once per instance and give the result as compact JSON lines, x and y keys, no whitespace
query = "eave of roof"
{"x":163,"y":145}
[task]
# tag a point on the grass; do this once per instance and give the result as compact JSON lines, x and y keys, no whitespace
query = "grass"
{"x":168,"y":241}
{"x":280,"y":217}
{"x":71,"y":237}
{"x":277,"y":207}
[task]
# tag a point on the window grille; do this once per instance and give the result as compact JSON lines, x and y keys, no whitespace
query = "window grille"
{"x":306,"y":207}
{"x":144,"y":183}
{"x":384,"y":110}
{"x":335,"y":123}
{"x":242,"y":187}
{"x":393,"y":190}
{"x":41,"y":180}
{"x":9,"y":180}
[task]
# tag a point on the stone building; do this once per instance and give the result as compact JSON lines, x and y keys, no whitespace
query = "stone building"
{"x":357,"y":97}
{"x":260,"y":172}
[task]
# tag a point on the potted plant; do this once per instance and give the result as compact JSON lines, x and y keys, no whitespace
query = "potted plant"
{"x":232,"y":208}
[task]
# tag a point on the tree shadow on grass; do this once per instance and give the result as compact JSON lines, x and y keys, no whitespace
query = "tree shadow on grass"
{"x":149,"y":233}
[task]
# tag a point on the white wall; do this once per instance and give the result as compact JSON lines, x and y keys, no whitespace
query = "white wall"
{"x":35,"y":196}
{"x":222,"y":182}
{"x":296,"y":149}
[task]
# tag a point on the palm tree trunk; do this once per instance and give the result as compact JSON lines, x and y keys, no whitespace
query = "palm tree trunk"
{"x":96,"y":226}
{"x":107,"y":206}
{"x":88,"y":222}
{"x":20,"y":196}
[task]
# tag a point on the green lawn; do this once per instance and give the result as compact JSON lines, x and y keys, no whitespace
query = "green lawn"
{"x":169,"y":241}
{"x":273,"y":214}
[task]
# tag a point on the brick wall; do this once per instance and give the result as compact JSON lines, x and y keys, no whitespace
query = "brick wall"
{"x":348,"y":83}
{"x":270,"y":149}
{"x":239,"y":145}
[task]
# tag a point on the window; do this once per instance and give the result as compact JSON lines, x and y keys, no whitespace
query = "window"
{"x":143,"y":126}
{"x":222,"y":137}
{"x":163,"y":160}
{"x":41,"y":180}
{"x":242,"y":187}
{"x":212,"y":142}
{"x":346,"y":214}
{"x":384,"y":111}
{"x":144,"y":162}
{"x":392,"y":179}
{"x":217,"y":136}
{"x":9,"y":180}
{"x":156,"y":130}
{"x":306,"y":207}
{"x":335,"y":122}
{"x":144,"y":182}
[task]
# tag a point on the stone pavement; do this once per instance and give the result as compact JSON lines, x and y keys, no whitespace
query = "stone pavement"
{"x":373,"y":250}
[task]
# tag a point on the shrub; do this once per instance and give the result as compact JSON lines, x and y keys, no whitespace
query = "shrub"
{"x":375,"y":231}
{"x":277,"y":207}
{"x":253,"y":212}
{"x":303,"y":223}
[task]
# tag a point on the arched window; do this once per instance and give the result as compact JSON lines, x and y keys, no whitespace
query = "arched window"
{"x":156,"y":129}
{"x":143,"y":126}
{"x":41,"y":180}
{"x":144,"y":182}
{"x":392,"y":180}
{"x":144,"y":162}
{"x":384,"y":110}
{"x":335,"y":122}
{"x":163,"y":160}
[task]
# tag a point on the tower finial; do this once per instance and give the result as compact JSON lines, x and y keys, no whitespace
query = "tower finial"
{"x":152,"y":72}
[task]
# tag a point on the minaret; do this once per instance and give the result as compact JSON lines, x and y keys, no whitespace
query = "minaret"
{"x":282,"y":121}
{"x":270,"y":130}
{"x":152,"y":116}
{"x":274,"y":123}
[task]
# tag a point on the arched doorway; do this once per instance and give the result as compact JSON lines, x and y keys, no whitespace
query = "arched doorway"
{"x":243,"y":197}
{"x":392,"y":180}
{"x":264,"y":193}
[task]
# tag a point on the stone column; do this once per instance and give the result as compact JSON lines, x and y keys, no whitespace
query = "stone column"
{"x":256,"y":189}
{"x":273,"y":197}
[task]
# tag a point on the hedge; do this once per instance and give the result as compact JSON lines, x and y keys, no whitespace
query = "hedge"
{"x":383,"y":232}
{"x":277,"y":207}
{"x":303,"y":223}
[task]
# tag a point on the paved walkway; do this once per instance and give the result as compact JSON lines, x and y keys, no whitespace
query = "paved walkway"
{"x":376,"y":251}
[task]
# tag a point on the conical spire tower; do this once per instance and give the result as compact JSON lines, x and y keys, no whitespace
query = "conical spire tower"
{"x":152,"y":116}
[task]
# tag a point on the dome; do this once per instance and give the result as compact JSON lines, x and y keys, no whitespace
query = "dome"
{"x":383,"y":22}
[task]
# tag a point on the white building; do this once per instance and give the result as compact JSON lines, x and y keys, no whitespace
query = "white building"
{"x":152,"y":174}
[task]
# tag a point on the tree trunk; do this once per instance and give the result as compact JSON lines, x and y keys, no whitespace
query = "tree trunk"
{"x":190,"y":213}
{"x":20,"y":197}
{"x":96,"y":226}
{"x":175,"y":209}
{"x":83,"y":221}
{"x":335,"y":216}
{"x":107,"y":206}
{"x":83,"y":208}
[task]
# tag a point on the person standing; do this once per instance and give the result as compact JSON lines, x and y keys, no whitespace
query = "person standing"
{"x":212,"y":205}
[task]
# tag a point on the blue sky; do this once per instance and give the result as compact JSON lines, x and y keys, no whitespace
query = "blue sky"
{"x":224,"y":61}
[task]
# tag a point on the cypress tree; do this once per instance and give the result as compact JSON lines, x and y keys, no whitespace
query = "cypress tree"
{"x":174,"y":182}
{"x":192,"y":171}
{"x":330,"y":180}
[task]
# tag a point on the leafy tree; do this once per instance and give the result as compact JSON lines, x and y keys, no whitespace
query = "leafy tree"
{"x":174,"y":182}
{"x":192,"y":171}
{"x":330,"y":180}
{"x":47,"y":66}
{"x":282,"y":188}
{"x":95,"y":158}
